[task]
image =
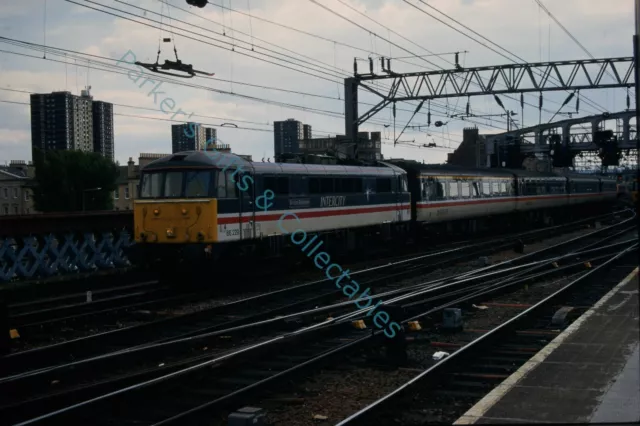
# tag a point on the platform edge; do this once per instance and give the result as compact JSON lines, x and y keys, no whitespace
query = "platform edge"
{"x":481,"y":407}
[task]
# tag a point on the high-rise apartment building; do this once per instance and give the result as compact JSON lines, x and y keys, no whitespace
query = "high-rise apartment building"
{"x":210,"y":137}
{"x":192,"y":138}
{"x":62,"y":121}
{"x":187,"y":137}
{"x":306,"y":131}
{"x":287,"y":136}
{"x":103,"y":128}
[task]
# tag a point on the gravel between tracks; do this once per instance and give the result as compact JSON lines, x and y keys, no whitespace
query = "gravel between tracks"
{"x":74,"y":330}
{"x":339,"y":392}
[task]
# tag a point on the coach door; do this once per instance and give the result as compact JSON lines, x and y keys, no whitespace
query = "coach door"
{"x":247,"y":209}
{"x":398,"y":190}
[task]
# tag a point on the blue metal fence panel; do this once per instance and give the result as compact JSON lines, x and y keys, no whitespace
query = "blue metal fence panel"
{"x":37,"y":256}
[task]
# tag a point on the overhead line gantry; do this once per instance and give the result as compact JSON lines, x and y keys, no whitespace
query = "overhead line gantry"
{"x":515,"y":78}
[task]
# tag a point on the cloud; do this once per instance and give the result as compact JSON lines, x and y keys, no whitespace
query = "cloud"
{"x":518,"y":26}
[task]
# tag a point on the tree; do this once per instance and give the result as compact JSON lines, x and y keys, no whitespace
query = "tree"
{"x":63,"y":177}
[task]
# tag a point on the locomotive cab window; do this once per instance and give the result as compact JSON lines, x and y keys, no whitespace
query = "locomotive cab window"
{"x":173,"y":184}
{"x":221,"y":185}
{"x":232,"y":190}
{"x":197,"y":183}
{"x":151,"y":185}
{"x":165,"y":184}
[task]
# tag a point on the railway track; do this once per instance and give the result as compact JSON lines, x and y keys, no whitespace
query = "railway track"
{"x":61,"y":307}
{"x":69,"y":317}
{"x":306,"y":295}
{"x":318,"y":342}
{"x":475,"y":368}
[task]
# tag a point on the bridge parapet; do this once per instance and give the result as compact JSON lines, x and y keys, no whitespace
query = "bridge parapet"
{"x":34,"y":246}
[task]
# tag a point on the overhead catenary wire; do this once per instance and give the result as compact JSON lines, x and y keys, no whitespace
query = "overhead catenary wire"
{"x":120,"y":1}
{"x":567,"y":32}
{"x":206,"y":29}
{"x":592,"y":103}
{"x":115,"y":68}
{"x":338,"y":42}
{"x":387,"y":40}
{"x":285,"y":61}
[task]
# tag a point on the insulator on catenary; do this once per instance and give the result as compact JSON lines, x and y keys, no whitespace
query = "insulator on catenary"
{"x":628,"y":100}
{"x":566,"y":101}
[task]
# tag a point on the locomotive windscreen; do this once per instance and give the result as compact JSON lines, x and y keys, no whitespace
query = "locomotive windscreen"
{"x":177,"y":184}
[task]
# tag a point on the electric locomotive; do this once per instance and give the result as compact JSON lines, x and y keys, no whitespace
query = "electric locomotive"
{"x":199,"y":204}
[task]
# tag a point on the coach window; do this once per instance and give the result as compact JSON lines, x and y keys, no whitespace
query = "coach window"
{"x":326,"y":185}
{"x":173,"y":184}
{"x":357,"y":182}
{"x":314,"y":186}
{"x":433,"y":190}
{"x":454,"y":193}
{"x":486,"y":188}
{"x":197,"y":183}
{"x":476,"y":191}
{"x":298,"y":185}
{"x":232,"y":189}
{"x":282,"y":186}
{"x":503,"y":188}
{"x":344,"y":185}
{"x":464,"y":189}
{"x":383,"y":185}
{"x":495,"y":187}
{"x":270,"y":183}
{"x":428,"y":189}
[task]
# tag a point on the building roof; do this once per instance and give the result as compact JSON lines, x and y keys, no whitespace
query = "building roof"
{"x":13,"y":172}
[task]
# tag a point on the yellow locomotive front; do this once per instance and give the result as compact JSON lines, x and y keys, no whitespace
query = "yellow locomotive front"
{"x":175,"y":216}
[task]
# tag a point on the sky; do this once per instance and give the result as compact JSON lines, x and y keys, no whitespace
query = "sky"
{"x":280,"y":59}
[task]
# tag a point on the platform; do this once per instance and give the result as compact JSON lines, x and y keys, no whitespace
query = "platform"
{"x":588,"y":374}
